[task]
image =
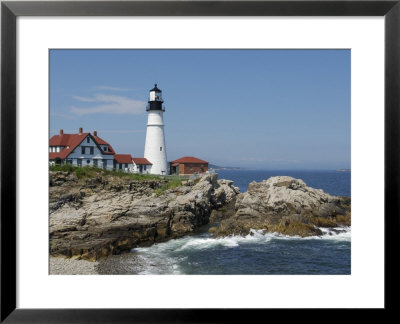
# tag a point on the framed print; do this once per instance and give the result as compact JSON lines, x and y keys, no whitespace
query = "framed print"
{"x":270,"y":161}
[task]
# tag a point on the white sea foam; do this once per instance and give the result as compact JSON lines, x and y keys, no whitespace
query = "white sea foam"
{"x":342,"y":233}
{"x":205,"y":241}
{"x":165,"y":257}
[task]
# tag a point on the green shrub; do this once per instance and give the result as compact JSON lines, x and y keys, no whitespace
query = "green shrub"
{"x":173,"y":183}
{"x":83,"y":172}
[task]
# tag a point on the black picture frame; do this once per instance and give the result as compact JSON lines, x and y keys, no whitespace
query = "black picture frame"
{"x":10,"y":10}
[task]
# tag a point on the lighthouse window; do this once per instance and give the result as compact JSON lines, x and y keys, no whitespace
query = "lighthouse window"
{"x":160,"y":148}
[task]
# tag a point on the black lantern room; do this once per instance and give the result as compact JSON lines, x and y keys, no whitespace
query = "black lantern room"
{"x":155,"y":99}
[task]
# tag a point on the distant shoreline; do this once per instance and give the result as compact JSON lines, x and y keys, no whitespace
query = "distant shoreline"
{"x":211,"y":167}
{"x":217,"y":167}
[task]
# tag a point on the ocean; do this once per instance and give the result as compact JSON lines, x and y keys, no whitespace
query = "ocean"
{"x":337,"y":183}
{"x":258,"y":252}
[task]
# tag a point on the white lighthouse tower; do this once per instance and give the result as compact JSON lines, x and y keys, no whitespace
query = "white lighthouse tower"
{"x":154,"y":149}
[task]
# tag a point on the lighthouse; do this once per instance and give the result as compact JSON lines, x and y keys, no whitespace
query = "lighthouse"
{"x":155,"y":150}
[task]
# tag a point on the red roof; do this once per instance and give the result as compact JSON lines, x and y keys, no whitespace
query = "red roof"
{"x":72,"y":141}
{"x":189,"y":159}
{"x":103,"y":142}
{"x":123,"y":158}
{"x":141,"y":161}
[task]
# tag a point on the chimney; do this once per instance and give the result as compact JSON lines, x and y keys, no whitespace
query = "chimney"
{"x":61,"y":132}
{"x":94,"y":133}
{"x":80,"y":130}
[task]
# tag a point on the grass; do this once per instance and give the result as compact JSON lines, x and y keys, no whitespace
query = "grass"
{"x":173,"y":183}
{"x":65,"y":167}
{"x":90,"y":172}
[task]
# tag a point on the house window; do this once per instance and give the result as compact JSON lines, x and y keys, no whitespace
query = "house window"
{"x":88,"y":139}
{"x":105,"y":148}
{"x":126,"y":165}
{"x":69,"y":161}
{"x":79,"y":162}
{"x":95,"y":163}
{"x":104,"y":164}
{"x":144,"y":167}
{"x":92,"y":150}
{"x":83,"y":150}
{"x":120,"y":166}
{"x":88,"y":161}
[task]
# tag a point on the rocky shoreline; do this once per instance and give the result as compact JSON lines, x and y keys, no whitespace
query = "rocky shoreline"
{"x":284,"y":205}
{"x":97,"y":217}
{"x":103,"y":216}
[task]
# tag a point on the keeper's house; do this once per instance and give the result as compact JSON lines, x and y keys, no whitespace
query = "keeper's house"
{"x":188,"y":165}
{"x":82,"y":149}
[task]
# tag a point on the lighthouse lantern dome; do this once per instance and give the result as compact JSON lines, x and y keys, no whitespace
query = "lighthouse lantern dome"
{"x":155,"y":94}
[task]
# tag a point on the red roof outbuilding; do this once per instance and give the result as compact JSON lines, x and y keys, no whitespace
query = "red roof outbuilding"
{"x":189,"y":159}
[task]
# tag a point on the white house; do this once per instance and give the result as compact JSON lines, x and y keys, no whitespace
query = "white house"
{"x":123,"y":162}
{"x":141,"y":165}
{"x":82,"y":149}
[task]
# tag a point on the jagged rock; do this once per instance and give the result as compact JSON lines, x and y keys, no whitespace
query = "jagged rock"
{"x":114,"y":216}
{"x":285,"y":205}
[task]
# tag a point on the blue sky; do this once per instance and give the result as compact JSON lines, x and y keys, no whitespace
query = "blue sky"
{"x":259,"y":109}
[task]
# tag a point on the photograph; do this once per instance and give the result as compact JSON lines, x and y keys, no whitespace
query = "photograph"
{"x":155,"y":151}
{"x":199,"y":162}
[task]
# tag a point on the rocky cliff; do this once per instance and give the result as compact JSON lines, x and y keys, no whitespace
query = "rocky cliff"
{"x":285,"y":205}
{"x":95,"y":217}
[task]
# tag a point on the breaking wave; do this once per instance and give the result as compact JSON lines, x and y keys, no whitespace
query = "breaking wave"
{"x":181,"y":255}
